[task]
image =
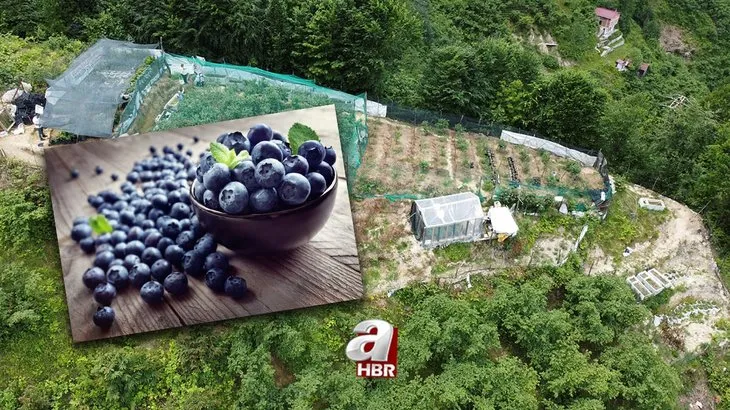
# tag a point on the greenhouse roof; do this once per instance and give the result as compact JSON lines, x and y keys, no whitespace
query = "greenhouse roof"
{"x":446,"y":210}
{"x":84,"y":99}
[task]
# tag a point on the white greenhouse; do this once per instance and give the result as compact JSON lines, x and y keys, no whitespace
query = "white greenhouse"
{"x":448,"y":219}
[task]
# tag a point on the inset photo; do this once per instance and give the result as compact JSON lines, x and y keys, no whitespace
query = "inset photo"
{"x":204,"y":223}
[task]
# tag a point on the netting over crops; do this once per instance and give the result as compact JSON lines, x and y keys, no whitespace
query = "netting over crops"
{"x":265,"y":93}
{"x":85,"y":98}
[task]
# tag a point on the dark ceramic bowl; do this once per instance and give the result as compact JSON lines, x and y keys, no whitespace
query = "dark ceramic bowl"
{"x":271,"y":232}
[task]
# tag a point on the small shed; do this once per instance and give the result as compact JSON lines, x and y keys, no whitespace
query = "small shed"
{"x":607,"y":20}
{"x":447,"y":219}
{"x":501,"y":223}
{"x":643,"y":69}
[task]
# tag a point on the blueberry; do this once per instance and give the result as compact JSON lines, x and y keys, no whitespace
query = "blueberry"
{"x":215,"y":279}
{"x":152,"y":292}
{"x":216,"y":177}
{"x":285,"y":150}
{"x":103,"y":238}
{"x":173,"y":197}
{"x":148,"y":224}
{"x":104,"y":293}
{"x":185,"y":198}
{"x":195,"y":139}
{"x":139,"y":274}
{"x":120,"y":250}
{"x":264,"y":200}
{"x":313,"y":152}
{"x":80,"y":220}
{"x":134,"y":233}
{"x":155,"y":214}
{"x":330,"y":156}
{"x":317,"y":184}
{"x":150,"y":256}
{"x":193,"y":263}
{"x":199,"y":190}
{"x":131,"y":260}
{"x":186,"y":240}
{"x":171,"y":228}
{"x":277,"y":136}
{"x":103,"y":247}
{"x":237,"y":142}
{"x":216,"y":260}
{"x":185,"y":224}
{"x":87,"y":245}
{"x":104,"y":317}
{"x":180,"y":146}
{"x":117,"y":262}
{"x":264,"y":150}
{"x":133,"y":177}
{"x":259,"y":133}
{"x":269,"y":173}
{"x":163,"y":243}
{"x":206,"y":162}
{"x":95,"y":201}
{"x":152,"y":239}
{"x":190,"y":154}
{"x":176,"y":283}
{"x":103,"y":259}
{"x":245,"y":173}
{"x":135,"y":248}
{"x":99,"y":170}
{"x":127,"y":217}
{"x":118,"y":237}
{"x":206,"y":245}
{"x":296,"y":164}
{"x":118,"y":276}
{"x":159,"y":201}
{"x":233,"y":198}
{"x":74,"y":173}
{"x":93,"y":277}
{"x":180,"y":211}
{"x":115,"y":177}
{"x":222,"y":139}
{"x":210,"y":200}
{"x":294,"y":189}
{"x":326,"y":171}
{"x":174,"y":254}
{"x":80,"y":231}
{"x":235,"y":287}
{"x":160,"y":269}
{"x":153,"y":150}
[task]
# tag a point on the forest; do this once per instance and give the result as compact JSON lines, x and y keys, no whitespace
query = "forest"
{"x":563,"y":340}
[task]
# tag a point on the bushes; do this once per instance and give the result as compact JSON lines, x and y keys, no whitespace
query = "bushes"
{"x":34,"y":62}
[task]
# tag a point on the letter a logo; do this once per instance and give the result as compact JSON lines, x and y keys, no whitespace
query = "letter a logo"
{"x":374,"y":349}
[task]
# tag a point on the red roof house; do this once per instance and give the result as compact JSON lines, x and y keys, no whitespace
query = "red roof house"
{"x":607,"y":19}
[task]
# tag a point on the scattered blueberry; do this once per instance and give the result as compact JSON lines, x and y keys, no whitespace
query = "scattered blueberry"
{"x":93,"y":277}
{"x":193,"y":263}
{"x":104,"y":317}
{"x":74,"y":173}
{"x":216,"y":260}
{"x":216,"y":279}
{"x":150,"y":256}
{"x":80,"y":231}
{"x":131,"y":260}
{"x":139,"y":274}
{"x":115,"y":177}
{"x":104,"y":259}
{"x":176,"y":283}
{"x":164,"y":243}
{"x":135,"y":248}
{"x":118,"y":276}
{"x":152,"y":292}
{"x":120,"y":250}
{"x":99,"y":170}
{"x":104,"y":293}
{"x":205,"y":245}
{"x":87,"y":245}
{"x":160,"y":269}
{"x":186,"y":240}
{"x":235,"y":287}
{"x":174,"y":254}
{"x":330,"y":156}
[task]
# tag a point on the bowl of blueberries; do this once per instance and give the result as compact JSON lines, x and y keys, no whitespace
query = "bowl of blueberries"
{"x":254,"y":195}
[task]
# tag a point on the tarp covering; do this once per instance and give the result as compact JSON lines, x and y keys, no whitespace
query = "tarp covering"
{"x":84,"y":99}
{"x":502,"y":221}
{"x":554,"y":147}
{"x":450,"y":209}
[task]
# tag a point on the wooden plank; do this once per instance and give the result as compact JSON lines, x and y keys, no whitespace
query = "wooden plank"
{"x":324,"y":271}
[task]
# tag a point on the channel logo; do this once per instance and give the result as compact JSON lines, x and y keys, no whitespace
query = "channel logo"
{"x":375,"y":349}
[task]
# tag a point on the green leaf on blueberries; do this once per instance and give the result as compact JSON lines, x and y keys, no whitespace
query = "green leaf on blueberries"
{"x":227,"y":156}
{"x":219,"y":152}
{"x":100,"y":225}
{"x":298,"y":134}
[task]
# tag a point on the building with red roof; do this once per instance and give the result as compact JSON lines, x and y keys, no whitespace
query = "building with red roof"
{"x":607,"y":19}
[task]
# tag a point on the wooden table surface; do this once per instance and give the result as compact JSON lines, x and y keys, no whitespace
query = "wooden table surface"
{"x":326,"y":270}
